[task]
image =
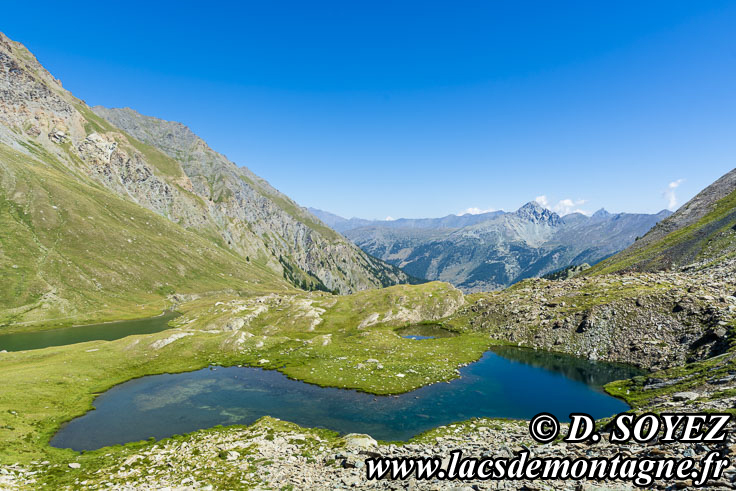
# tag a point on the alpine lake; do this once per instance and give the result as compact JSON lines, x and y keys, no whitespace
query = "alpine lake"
{"x":507,"y":382}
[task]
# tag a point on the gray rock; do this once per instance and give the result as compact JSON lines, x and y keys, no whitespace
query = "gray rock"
{"x":685,"y":396}
{"x":359,"y":441}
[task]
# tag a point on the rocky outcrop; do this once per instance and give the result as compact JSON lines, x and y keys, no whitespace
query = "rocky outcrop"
{"x":535,"y":213}
{"x":567,"y":273}
{"x":654,"y":321}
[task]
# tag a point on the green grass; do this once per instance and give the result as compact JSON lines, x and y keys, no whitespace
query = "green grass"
{"x":692,"y":375}
{"x":56,"y":238}
{"x":41,"y":389}
{"x":162,"y":162}
{"x":335,"y":351}
{"x":710,"y":245}
{"x":93,"y":123}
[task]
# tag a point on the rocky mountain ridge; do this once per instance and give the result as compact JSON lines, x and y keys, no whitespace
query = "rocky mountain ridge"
{"x":536,"y":213}
{"x":237,"y":197}
{"x":342,"y":225}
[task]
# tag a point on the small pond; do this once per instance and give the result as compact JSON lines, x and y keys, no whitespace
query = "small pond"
{"x":109,"y":331}
{"x":424,"y":331}
{"x":507,"y":382}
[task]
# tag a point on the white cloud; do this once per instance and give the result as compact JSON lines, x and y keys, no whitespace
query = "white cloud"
{"x":564,"y":206}
{"x":567,"y":206}
{"x":475,"y":211}
{"x":389,"y":219}
{"x":542,"y":200}
{"x":670,"y":195}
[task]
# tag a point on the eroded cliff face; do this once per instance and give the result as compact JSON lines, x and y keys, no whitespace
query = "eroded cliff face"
{"x":175,"y":174}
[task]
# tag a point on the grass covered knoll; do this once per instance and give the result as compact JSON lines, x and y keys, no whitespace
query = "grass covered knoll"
{"x":347,"y":342}
{"x":41,"y":389}
{"x":73,"y":252}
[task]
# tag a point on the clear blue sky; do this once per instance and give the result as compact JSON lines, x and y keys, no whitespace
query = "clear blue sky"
{"x":424,"y":108}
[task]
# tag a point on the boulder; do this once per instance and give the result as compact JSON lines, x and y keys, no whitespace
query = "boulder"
{"x":684,"y":396}
{"x":359,"y":441}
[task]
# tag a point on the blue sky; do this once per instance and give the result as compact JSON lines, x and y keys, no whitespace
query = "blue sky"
{"x":411,"y":109}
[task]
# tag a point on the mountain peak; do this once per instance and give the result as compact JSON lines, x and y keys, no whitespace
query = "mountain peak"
{"x":601,"y":213}
{"x":532,"y":205}
{"x":534,"y":212}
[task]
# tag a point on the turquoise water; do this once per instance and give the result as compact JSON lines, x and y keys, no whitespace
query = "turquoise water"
{"x":511,"y":383}
{"x":79,"y":334}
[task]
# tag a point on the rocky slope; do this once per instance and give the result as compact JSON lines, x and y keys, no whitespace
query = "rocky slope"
{"x":702,"y":230}
{"x":239,"y":198}
{"x":651,"y":320}
{"x":62,"y":167}
{"x":501,"y":248}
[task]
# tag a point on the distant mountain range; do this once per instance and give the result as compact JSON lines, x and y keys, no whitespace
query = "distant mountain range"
{"x":493,"y":250}
{"x":342,"y":225}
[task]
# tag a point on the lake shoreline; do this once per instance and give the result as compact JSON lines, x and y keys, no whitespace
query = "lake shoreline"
{"x":105,"y":331}
{"x":497,"y":385}
{"x":69,"y":377}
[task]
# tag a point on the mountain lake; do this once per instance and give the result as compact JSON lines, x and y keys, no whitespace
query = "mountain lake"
{"x":21,"y":341}
{"x":507,"y":382}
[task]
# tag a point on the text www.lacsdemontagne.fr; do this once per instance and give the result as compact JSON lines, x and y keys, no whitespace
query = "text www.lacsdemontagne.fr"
{"x":640,"y":471}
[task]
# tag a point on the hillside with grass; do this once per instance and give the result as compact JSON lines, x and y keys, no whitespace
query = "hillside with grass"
{"x":235,"y":195}
{"x":699,"y":234}
{"x":99,"y":225}
{"x":71,"y":251}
